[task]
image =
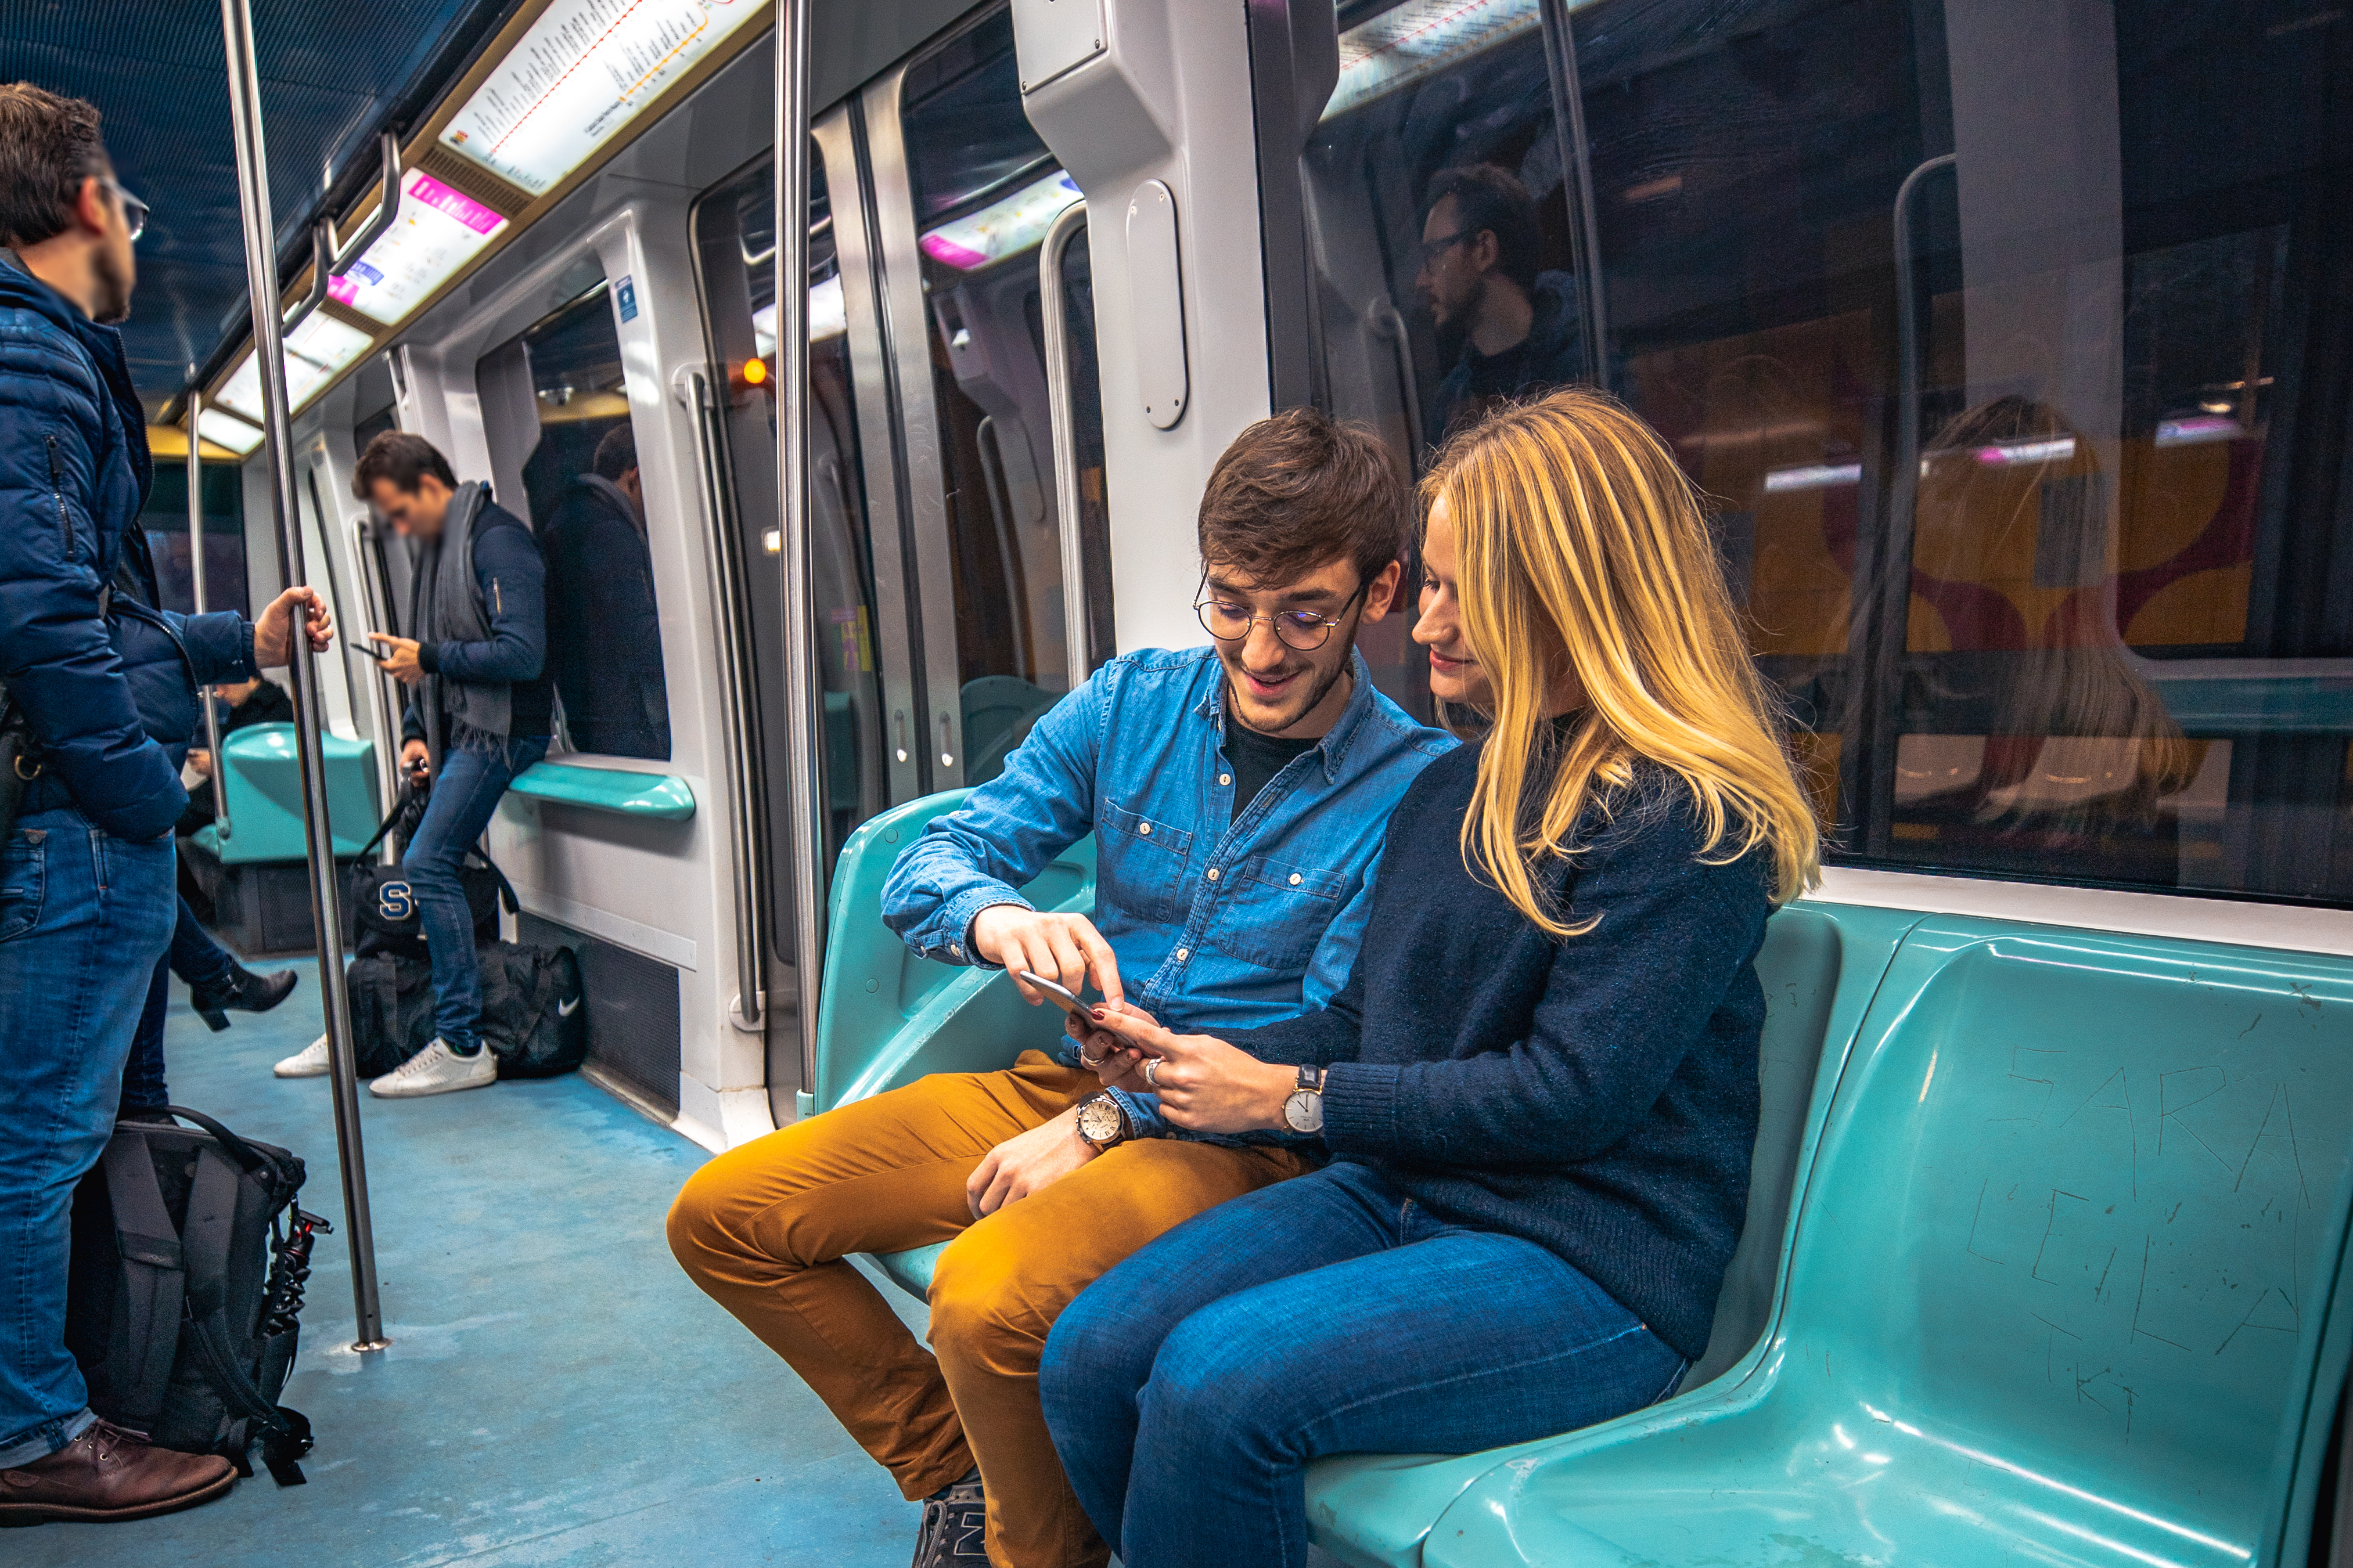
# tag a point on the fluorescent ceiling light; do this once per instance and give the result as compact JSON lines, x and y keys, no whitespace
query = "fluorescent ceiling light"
{"x":584,"y":72}
{"x":438,"y":233}
{"x":829,"y":317}
{"x":227,"y":430}
{"x":1002,"y":228}
{"x":316,"y":353}
{"x":1814,"y":477}
{"x":2189,"y":432}
{"x":1411,"y":41}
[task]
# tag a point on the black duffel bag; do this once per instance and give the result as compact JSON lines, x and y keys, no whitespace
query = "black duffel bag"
{"x":392,"y":1010}
{"x":184,"y":1297}
{"x":384,"y":899}
{"x":534,"y":1017}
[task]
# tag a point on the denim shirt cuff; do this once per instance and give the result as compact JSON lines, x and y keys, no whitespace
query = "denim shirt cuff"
{"x":948,"y":935}
{"x":1142,"y":1113}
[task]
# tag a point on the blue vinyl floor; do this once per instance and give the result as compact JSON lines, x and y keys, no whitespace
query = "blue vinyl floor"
{"x":557,"y":1391}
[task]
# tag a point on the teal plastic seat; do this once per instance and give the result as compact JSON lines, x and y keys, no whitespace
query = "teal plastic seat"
{"x":886,"y":1017}
{"x":2056,"y":1291}
{"x":260,"y":780}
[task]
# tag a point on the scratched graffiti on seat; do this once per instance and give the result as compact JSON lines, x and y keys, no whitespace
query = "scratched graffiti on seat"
{"x":2143,"y":1168}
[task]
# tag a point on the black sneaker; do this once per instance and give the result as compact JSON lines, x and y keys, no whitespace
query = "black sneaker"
{"x":956,"y":1526}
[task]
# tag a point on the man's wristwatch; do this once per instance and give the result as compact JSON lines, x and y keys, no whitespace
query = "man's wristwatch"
{"x":1304,"y":1110}
{"x":1103,"y":1122}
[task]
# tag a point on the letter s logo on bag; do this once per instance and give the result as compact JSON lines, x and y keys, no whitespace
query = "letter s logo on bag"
{"x":394,"y":901}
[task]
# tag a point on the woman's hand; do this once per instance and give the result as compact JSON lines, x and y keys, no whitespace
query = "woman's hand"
{"x":1116,"y":1063}
{"x":273,"y":634}
{"x":1030,"y":1162}
{"x":1204,"y":1085}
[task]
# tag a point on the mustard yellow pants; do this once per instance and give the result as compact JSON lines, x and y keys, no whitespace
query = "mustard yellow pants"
{"x":764,"y":1230}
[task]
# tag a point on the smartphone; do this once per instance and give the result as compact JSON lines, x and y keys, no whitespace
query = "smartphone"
{"x":1060,"y":996}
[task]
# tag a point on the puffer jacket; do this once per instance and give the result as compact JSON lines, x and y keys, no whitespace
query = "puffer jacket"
{"x":108,"y":682}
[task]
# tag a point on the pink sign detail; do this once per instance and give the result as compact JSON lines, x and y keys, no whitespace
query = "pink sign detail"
{"x":947,"y":252}
{"x":342,"y":291}
{"x":462,"y":207}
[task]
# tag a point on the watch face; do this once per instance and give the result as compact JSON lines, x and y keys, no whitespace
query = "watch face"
{"x":1305,"y":1110}
{"x":1099,"y":1121}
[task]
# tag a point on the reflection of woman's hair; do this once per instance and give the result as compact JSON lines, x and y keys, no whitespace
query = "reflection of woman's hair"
{"x":2014,"y":463}
{"x":1578,"y":540}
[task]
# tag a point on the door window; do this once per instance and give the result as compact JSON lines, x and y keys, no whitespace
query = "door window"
{"x":735,"y":239}
{"x":985,"y":189}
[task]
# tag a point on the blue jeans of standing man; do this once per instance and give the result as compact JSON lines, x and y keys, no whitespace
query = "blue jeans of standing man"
{"x":1188,"y":1387}
{"x":84,"y":917}
{"x":474,"y":773}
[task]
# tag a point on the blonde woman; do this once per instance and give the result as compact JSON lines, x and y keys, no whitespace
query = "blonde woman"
{"x":1538,"y":1087}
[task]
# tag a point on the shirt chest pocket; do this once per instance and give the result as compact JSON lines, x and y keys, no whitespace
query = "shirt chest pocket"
{"x":1141,"y":863}
{"x":1274,"y":912}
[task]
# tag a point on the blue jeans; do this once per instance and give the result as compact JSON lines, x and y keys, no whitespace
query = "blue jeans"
{"x":474,"y":773}
{"x":1188,"y":1387}
{"x":83,"y":918}
{"x":200,"y":961}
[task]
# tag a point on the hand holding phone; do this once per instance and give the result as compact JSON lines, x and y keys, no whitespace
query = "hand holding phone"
{"x":1060,"y":995}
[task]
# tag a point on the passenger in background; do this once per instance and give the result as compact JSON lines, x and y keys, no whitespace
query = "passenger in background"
{"x":604,"y":638}
{"x":1236,"y":794}
{"x":479,"y":713}
{"x":104,"y":687}
{"x":1521,"y":328}
{"x":255,"y":702}
{"x":1540,"y":1086}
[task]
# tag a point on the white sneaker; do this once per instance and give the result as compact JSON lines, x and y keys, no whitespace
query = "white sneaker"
{"x":437,"y":1069}
{"x":310,"y":1061}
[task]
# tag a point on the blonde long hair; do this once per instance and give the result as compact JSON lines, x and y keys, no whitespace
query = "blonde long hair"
{"x":1576,"y":536}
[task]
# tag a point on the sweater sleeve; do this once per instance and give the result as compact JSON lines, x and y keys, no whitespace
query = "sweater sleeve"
{"x":1333,"y":1032}
{"x":514,"y":586}
{"x":1622,"y":1006}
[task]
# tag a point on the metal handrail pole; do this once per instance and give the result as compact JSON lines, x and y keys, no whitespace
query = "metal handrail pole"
{"x":1062,"y":414}
{"x":792,"y":193}
{"x":1881,"y":691}
{"x":326,"y":261}
{"x":197,"y":585}
{"x":326,"y":915}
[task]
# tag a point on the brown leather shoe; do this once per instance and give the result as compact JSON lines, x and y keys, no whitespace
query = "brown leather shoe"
{"x":108,"y":1474}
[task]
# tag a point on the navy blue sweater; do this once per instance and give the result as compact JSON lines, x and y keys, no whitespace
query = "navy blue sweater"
{"x":514,"y":581}
{"x":1597,"y":1095}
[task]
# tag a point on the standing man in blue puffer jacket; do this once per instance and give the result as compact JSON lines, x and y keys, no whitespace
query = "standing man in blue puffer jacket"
{"x":107,"y":686}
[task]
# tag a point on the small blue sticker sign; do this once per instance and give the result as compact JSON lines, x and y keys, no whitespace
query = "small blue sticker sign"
{"x":627,"y":293}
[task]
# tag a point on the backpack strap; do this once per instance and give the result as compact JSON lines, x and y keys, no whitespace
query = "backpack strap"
{"x":399,"y":806}
{"x":153,"y":1274}
{"x":506,"y":888}
{"x":206,"y":1241}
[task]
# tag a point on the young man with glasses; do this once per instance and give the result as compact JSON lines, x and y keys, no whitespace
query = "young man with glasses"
{"x":1520,"y":328}
{"x":1238,"y":794}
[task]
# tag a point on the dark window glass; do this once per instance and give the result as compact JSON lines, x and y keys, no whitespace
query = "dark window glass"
{"x":984,"y":190}
{"x":1439,"y":211}
{"x":735,"y":237}
{"x":2009,"y":344}
{"x":604,"y":635}
{"x":165,"y":518}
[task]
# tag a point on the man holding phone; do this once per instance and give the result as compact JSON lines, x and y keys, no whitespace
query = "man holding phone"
{"x":1238,"y":794}
{"x":480,"y":710}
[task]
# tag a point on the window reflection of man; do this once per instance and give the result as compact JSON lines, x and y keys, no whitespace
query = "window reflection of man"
{"x":604,"y":635}
{"x":1480,"y":277}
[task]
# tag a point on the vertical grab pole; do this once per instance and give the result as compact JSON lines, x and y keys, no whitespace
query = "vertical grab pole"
{"x":196,"y":584}
{"x":807,"y":835}
{"x":1060,"y":411}
{"x":261,"y":284}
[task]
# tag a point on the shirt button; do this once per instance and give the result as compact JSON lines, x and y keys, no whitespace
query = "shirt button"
{"x":1224,"y":778}
{"x":956,"y":950}
{"x":1183,"y":953}
{"x":1213,"y":873}
{"x":1295,"y":879}
{"x":1144,"y":831}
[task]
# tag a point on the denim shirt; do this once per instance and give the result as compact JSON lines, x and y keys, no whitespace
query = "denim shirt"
{"x":1215,"y":926}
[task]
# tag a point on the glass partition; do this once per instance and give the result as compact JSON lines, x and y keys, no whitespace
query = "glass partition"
{"x":590,"y":509}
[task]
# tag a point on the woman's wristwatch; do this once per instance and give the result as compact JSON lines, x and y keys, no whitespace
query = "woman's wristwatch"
{"x":1303,"y":1111}
{"x":1103,"y":1122}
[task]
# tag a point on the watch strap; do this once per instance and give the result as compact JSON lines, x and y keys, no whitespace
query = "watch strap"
{"x":1311,"y":1078}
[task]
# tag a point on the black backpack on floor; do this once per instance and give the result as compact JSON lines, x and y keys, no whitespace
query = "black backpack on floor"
{"x":185,"y":1293}
{"x":534,"y":1013}
{"x":391,"y":1009}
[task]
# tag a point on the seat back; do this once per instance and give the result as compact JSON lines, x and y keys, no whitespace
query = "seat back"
{"x":260,"y":780}
{"x":2066,"y":1247}
{"x":886,"y":1017}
